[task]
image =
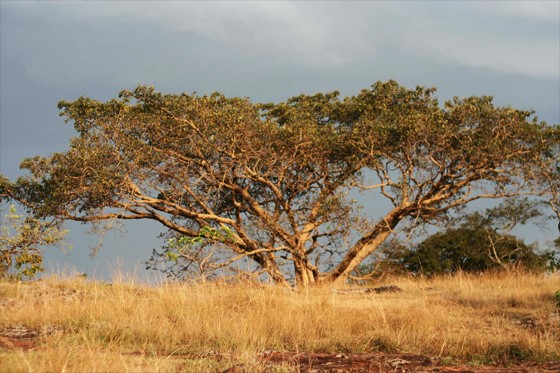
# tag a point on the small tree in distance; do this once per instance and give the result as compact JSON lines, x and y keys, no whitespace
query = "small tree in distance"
{"x":21,"y":244}
{"x":277,"y":176}
{"x":473,"y":242}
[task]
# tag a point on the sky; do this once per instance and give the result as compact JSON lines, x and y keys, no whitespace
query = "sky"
{"x":265,"y":50}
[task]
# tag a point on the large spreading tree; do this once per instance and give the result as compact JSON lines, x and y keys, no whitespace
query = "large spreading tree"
{"x":270,"y":183}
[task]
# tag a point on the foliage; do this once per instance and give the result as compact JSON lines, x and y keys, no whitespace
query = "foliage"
{"x":278,"y":175}
{"x":21,"y":241}
{"x":474,"y":243}
{"x":470,"y":249}
{"x":193,"y":257}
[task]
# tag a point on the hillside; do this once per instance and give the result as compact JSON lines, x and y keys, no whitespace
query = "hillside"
{"x":71,"y":324}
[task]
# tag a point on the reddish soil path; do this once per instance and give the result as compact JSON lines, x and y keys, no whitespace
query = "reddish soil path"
{"x":321,"y":362}
{"x":22,"y":338}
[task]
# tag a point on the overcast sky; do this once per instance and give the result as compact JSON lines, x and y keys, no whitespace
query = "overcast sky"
{"x":264,"y":50}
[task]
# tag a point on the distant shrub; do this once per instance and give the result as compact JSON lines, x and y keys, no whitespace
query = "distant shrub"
{"x":21,"y":242}
{"x":470,"y":249}
{"x":474,"y":242}
{"x":465,"y":248}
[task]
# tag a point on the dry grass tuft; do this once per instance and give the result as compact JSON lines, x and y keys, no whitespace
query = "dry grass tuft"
{"x":79,"y":325}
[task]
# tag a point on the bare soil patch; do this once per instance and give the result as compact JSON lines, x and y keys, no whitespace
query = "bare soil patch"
{"x":380,"y":362}
{"x":19,"y":337}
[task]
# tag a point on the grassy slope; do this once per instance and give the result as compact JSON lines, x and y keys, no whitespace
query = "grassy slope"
{"x":125,"y":327}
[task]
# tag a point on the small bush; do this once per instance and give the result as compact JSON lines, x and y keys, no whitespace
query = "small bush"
{"x":21,"y":242}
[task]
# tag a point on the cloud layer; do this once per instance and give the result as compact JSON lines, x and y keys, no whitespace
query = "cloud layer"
{"x":508,"y":37}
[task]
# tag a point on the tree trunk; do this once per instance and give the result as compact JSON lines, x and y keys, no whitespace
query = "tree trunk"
{"x":362,"y":251}
{"x":304,"y":276}
{"x":270,"y":266}
{"x":364,"y":247}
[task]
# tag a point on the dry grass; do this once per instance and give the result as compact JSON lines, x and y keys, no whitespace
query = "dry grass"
{"x":97,"y":327}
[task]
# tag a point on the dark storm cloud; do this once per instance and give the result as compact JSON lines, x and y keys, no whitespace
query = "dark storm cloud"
{"x":208,"y":45}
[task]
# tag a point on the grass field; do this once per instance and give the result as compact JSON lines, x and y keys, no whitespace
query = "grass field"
{"x":69,"y":324}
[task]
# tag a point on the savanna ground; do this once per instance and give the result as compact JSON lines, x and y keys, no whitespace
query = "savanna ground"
{"x":491,"y":322}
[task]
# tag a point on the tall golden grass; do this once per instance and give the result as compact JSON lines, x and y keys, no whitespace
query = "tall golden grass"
{"x":123,"y":326}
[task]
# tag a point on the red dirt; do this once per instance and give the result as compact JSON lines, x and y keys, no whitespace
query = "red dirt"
{"x":379,"y":362}
{"x":21,"y":338}
{"x":9,"y":343}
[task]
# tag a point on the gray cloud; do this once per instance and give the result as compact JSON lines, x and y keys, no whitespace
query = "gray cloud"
{"x":537,"y":10}
{"x":324,"y":36}
{"x":482,"y":35}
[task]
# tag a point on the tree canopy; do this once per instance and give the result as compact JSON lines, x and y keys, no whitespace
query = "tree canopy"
{"x":271,"y":182}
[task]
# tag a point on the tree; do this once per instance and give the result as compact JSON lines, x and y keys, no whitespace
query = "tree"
{"x":473,"y":242}
{"x":277,"y":176}
{"x":198,"y":258}
{"x":21,"y":242}
{"x":472,"y":248}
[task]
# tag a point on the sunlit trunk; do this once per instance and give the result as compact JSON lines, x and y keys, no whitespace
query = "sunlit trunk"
{"x":363,"y":251}
{"x":304,"y":276}
{"x":279,"y":278}
{"x":363,"y":248}
{"x":270,"y":266}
